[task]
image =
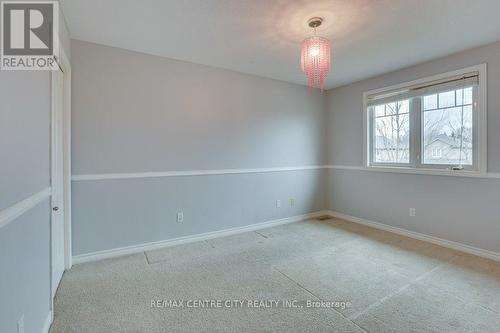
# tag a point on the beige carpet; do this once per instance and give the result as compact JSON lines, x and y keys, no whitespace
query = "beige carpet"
{"x":375,"y":282}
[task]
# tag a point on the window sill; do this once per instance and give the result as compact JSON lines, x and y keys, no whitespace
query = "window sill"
{"x":424,"y":171}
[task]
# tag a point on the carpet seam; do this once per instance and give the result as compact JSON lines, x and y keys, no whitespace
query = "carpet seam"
{"x":398,"y":291}
{"x":261,"y":234}
{"x":146,"y":256}
{"x":321,"y":299}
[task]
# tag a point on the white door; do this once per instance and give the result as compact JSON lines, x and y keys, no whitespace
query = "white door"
{"x":57,"y":181}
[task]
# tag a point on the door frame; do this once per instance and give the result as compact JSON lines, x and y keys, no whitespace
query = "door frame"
{"x":57,"y":249}
{"x":65,"y":67}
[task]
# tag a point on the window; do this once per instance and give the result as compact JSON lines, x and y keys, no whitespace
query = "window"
{"x":448,"y":126}
{"x":392,"y":132}
{"x":437,"y":153}
{"x":435,"y":123}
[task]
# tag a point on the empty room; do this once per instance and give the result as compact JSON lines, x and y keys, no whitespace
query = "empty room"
{"x":250,"y":166}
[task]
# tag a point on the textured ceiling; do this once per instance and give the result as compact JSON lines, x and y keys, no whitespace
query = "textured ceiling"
{"x":263,"y":37}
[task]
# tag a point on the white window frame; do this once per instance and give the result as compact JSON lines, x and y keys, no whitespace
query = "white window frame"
{"x":480,"y":145}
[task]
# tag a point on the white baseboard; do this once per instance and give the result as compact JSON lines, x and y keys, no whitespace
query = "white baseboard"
{"x":117,"y":252}
{"x":413,"y":234}
{"x":99,"y":255}
{"x":48,"y":322}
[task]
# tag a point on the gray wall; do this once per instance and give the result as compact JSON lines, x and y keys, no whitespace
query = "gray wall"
{"x":138,"y":113}
{"x":24,"y":134}
{"x":25,"y":274}
{"x":24,"y":160}
{"x":114,"y":213}
{"x":454,"y":208}
{"x":64,"y":35}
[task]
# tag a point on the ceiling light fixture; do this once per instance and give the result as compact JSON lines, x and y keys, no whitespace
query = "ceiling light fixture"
{"x":315,"y":57}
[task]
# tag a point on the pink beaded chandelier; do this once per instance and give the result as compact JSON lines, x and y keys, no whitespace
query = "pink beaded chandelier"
{"x":315,"y":57}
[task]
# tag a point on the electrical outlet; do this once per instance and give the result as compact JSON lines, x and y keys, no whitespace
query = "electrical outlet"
{"x":20,"y":325}
{"x":412,"y":212}
{"x":180,"y":217}
{"x":292,"y":202}
{"x":278,"y":203}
